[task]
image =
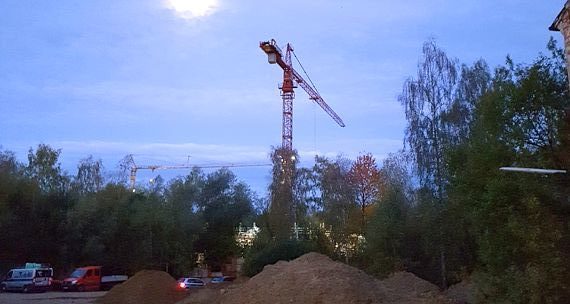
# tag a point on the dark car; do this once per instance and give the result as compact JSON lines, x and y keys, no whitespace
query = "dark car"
{"x":223,"y":279}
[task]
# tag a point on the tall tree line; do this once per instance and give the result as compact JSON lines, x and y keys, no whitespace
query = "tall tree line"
{"x":461,"y":215}
{"x":68,"y":221}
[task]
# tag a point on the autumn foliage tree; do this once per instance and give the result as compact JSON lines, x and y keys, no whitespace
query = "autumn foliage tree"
{"x":364,"y":177}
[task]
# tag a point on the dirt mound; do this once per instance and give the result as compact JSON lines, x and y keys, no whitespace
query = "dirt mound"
{"x":462,"y":292}
{"x":145,"y":287}
{"x":405,"y":282}
{"x":314,"y":278}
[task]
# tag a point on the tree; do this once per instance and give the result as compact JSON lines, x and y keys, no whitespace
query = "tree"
{"x":388,"y":244}
{"x":519,"y":220}
{"x":224,"y":204}
{"x":426,"y":100}
{"x":89,"y":178}
{"x":44,"y":169}
{"x":337,"y":209}
{"x":474,"y":82}
{"x":13,"y":204}
{"x":124,"y":168}
{"x":182,"y":197}
{"x":364,"y":177}
{"x":282,"y":208}
{"x":305,"y":194}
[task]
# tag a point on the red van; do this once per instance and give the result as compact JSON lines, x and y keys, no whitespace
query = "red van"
{"x":90,"y":278}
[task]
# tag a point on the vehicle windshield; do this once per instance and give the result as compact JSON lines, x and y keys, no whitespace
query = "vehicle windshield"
{"x":77,"y":273}
{"x":42,"y":273}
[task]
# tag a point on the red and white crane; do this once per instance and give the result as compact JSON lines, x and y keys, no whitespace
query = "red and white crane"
{"x":290,"y":79}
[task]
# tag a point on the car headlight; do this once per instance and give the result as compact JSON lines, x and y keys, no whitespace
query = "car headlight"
{"x":73,"y":282}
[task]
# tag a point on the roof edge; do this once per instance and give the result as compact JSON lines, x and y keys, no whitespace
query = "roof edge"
{"x":556,"y":23}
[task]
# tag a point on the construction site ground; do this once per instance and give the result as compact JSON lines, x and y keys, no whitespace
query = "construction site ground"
{"x":51,"y":297}
{"x":312,"y":278}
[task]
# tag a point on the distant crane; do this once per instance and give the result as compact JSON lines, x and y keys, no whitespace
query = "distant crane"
{"x":135,"y":168}
{"x":290,"y":78}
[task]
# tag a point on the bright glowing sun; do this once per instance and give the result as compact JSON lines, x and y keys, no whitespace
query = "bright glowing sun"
{"x":193,"y":8}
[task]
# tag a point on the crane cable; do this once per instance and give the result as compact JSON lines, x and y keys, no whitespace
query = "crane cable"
{"x":314,"y":104}
{"x":302,"y":68}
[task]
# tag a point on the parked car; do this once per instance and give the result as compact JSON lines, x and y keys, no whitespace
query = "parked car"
{"x":27,"y":280}
{"x":190,"y":282}
{"x":91,"y":278}
{"x":217,"y":280}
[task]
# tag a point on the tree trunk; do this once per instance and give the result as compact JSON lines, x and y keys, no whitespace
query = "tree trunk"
{"x":443,"y":270}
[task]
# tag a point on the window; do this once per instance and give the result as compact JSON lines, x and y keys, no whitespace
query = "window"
{"x":44,"y":273}
{"x":21,"y":274}
{"x":97,"y":272}
{"x":78,"y":273}
{"x":89,"y":273}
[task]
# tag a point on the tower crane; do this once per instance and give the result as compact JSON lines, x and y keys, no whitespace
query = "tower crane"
{"x":135,"y":168}
{"x":290,"y":78}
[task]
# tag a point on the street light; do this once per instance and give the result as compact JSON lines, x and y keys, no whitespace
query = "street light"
{"x":533,"y":170}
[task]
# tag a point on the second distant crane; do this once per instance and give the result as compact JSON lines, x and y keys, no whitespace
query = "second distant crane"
{"x":135,"y":168}
{"x":290,"y":80}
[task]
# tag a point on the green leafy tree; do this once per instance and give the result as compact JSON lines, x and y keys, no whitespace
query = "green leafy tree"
{"x":474,"y":81}
{"x":224,"y":203}
{"x":282,"y":208}
{"x":89,"y":178}
{"x":182,"y":196}
{"x":426,"y":99}
{"x":387,"y":244}
{"x":338,"y":212}
{"x":305,"y":193}
{"x":12,"y":205}
{"x":44,"y":169}
{"x":518,"y":220}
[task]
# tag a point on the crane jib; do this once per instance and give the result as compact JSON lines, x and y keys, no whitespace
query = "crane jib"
{"x":290,"y":75}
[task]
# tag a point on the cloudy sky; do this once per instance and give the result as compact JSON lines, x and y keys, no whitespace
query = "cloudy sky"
{"x":168,"y":79}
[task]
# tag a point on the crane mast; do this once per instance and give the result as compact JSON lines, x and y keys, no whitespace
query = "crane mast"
{"x":290,"y":80}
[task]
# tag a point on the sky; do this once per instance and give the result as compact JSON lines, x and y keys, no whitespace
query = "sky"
{"x":184,"y":81}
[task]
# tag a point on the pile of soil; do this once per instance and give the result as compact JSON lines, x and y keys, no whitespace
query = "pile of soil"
{"x":145,"y":287}
{"x":405,"y":282}
{"x":462,"y":292}
{"x":315,"y":278}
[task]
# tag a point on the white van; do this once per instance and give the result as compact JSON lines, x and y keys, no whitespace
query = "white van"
{"x":27,"y":279}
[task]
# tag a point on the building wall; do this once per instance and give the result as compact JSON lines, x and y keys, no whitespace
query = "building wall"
{"x":563,"y":25}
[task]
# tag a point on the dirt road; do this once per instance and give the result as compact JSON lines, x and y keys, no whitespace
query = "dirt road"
{"x":51,"y":297}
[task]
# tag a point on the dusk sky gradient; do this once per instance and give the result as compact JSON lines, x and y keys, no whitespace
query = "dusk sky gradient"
{"x":110,"y":78}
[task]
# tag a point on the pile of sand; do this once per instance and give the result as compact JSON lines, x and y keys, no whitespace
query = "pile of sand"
{"x":145,"y":287}
{"x":314,"y":278}
{"x":408,"y":283}
{"x":462,"y":293}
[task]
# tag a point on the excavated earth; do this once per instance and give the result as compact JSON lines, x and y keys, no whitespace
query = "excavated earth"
{"x":315,"y":278}
{"x":145,"y":287}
